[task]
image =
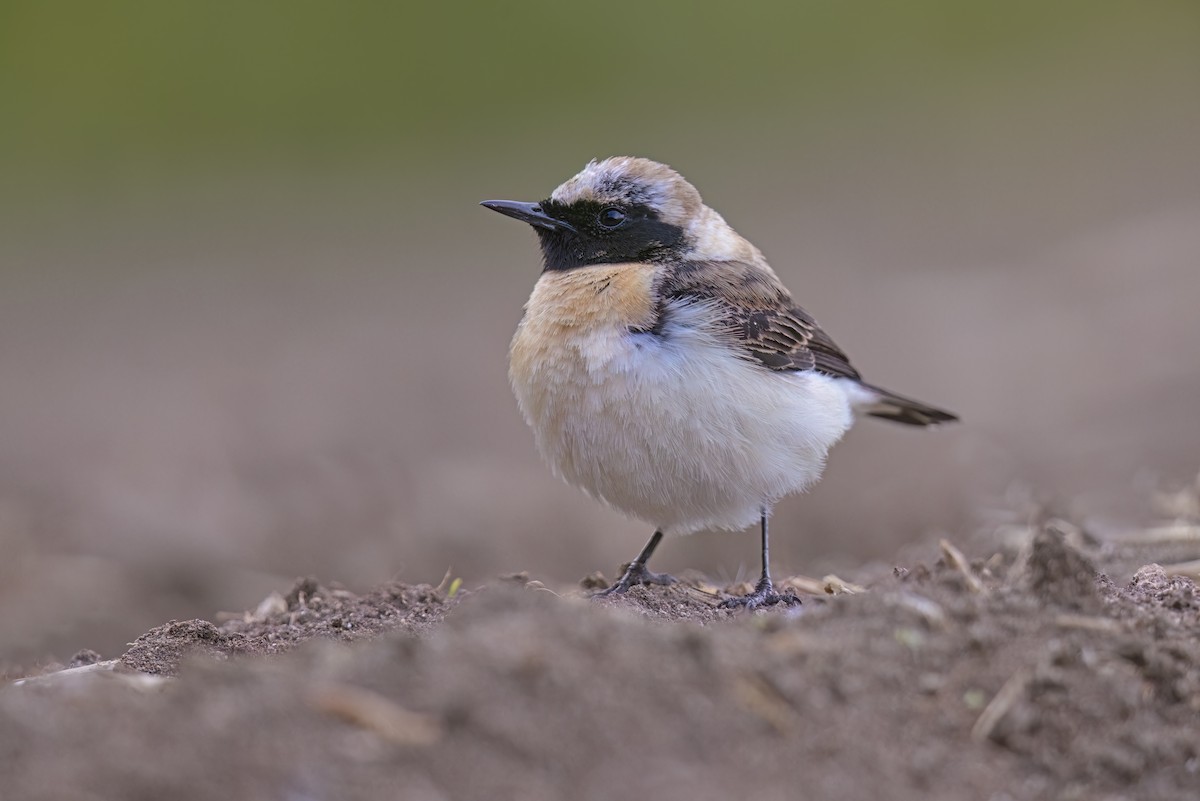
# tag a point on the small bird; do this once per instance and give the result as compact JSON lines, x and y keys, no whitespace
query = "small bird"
{"x":665,"y":369}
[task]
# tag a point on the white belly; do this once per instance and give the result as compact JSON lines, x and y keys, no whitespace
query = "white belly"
{"x":674,"y":429}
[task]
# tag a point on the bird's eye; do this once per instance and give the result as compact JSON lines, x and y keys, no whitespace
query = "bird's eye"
{"x":611,"y":218}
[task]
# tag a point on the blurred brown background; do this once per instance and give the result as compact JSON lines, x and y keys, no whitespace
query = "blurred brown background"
{"x":253,"y":325}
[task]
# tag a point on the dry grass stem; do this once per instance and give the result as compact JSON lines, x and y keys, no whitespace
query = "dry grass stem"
{"x":1087,"y":623}
{"x":954,"y":557}
{"x":998,"y":707}
{"x":1159,"y":535}
{"x":1188,"y":569}
{"x":376,"y":713}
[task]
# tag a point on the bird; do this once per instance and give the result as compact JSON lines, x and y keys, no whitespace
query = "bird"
{"x":665,"y":369}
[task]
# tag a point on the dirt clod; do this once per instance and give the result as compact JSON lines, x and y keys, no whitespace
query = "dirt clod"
{"x":1152,"y":584}
{"x":281,"y":622}
{"x":84,"y":657}
{"x":1053,"y":570}
{"x":594,"y":581}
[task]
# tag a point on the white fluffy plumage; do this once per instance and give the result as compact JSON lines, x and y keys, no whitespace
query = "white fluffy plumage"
{"x":673,"y":429}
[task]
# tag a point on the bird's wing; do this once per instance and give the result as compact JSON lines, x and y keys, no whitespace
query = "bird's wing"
{"x":757,"y":314}
{"x":789,"y":339}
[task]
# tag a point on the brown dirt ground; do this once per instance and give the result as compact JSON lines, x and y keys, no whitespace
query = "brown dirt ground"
{"x":1057,"y":667}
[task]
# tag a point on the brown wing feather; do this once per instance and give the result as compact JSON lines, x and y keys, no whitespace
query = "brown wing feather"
{"x":759,"y":314}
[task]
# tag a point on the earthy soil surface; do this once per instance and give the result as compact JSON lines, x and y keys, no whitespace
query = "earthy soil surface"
{"x":1047,"y":666}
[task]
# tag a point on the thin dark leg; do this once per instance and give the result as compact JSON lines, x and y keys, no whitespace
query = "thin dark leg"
{"x":636,"y":572}
{"x":764,"y":592}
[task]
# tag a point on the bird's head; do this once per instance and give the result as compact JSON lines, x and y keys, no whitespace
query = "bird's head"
{"x":626,"y":209}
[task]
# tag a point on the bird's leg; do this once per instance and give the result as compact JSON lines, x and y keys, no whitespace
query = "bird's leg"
{"x":764,"y":592}
{"x":636,"y":572}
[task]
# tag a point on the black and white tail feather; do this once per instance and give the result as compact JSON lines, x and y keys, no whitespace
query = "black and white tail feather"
{"x":899,"y":409}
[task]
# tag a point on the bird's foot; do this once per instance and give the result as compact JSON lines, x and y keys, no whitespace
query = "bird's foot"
{"x":764,"y":595}
{"x":636,"y":574}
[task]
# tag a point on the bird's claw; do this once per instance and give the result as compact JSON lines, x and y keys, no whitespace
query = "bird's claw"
{"x":636,"y":574}
{"x":764,"y":595}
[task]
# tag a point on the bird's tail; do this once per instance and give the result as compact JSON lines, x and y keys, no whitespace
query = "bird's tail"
{"x":900,"y":409}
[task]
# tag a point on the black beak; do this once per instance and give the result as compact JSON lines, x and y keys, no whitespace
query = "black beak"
{"x":528,"y":212}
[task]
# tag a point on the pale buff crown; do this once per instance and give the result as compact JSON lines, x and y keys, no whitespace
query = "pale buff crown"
{"x":621,"y":180}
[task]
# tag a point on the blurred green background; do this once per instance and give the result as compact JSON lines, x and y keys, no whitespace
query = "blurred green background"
{"x":252,"y":323}
{"x":119,"y":97}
